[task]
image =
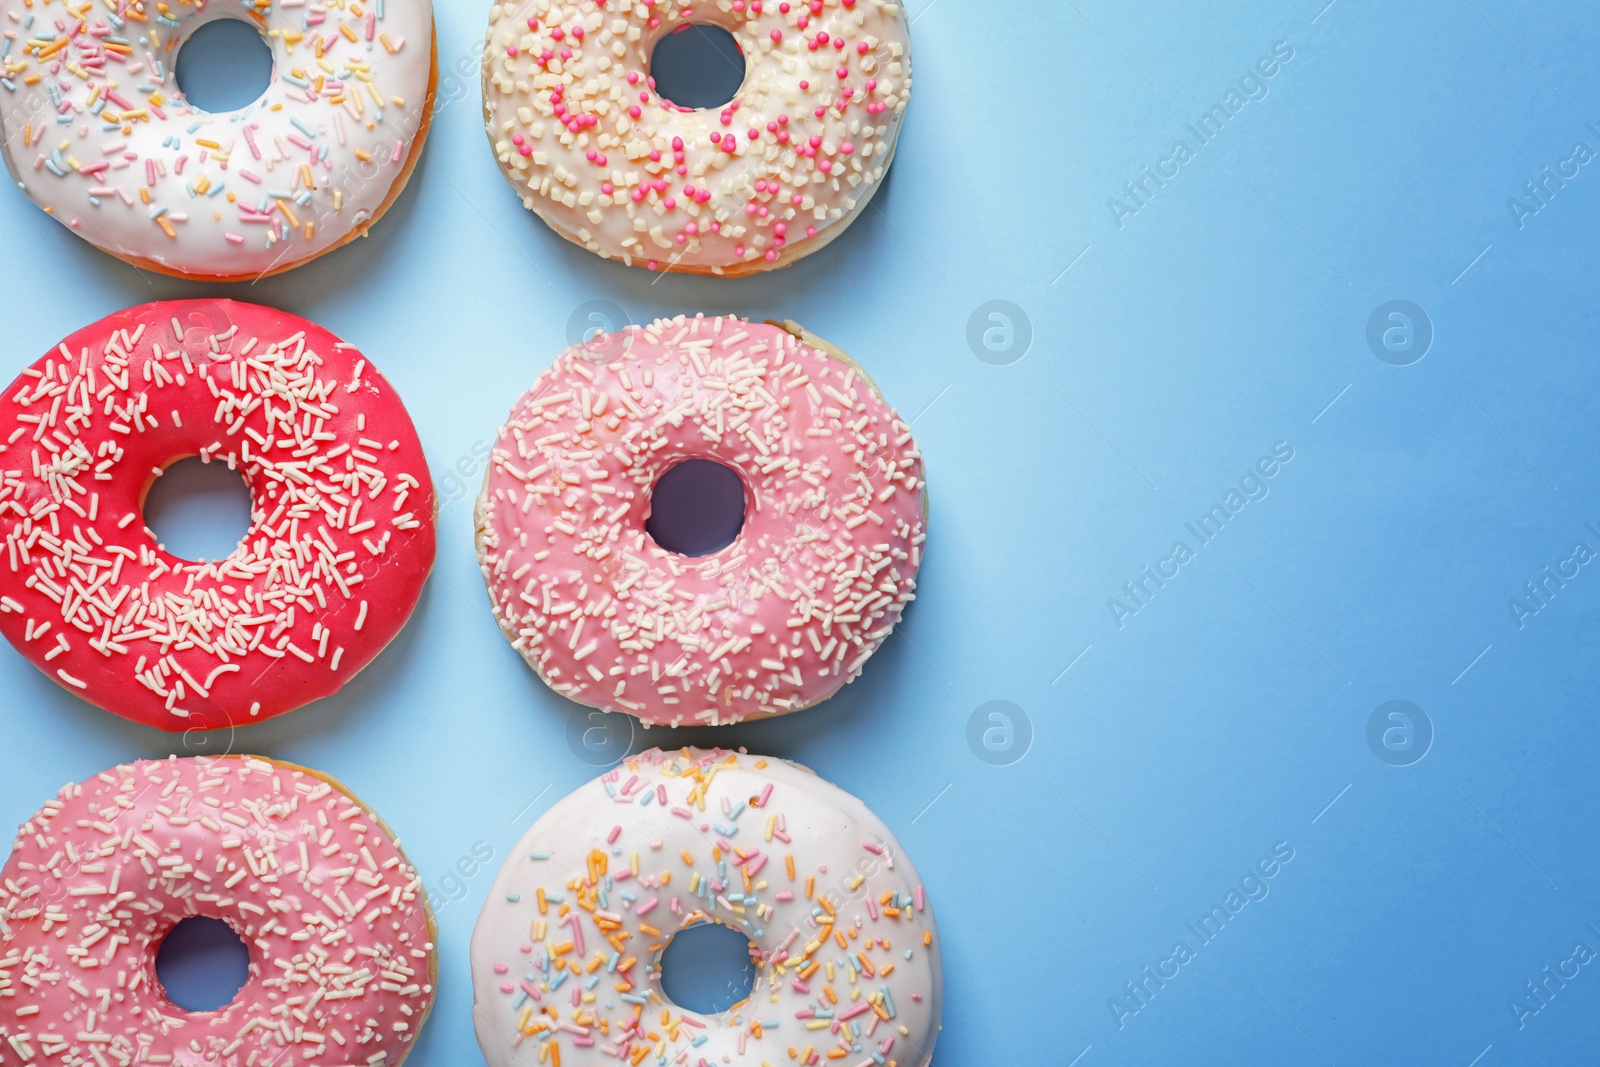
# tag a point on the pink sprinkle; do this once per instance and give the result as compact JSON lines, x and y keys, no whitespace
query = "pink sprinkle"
{"x":616,"y":832}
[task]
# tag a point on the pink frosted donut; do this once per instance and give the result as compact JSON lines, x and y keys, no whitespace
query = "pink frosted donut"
{"x":826,"y":561}
{"x":341,"y":941}
{"x":341,"y":540}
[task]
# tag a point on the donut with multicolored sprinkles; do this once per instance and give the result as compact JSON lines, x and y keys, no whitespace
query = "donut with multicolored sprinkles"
{"x":591,"y":146}
{"x":815,"y":581}
{"x":342,"y":533}
{"x":566,"y":957}
{"x":341,"y":939}
{"x":96,"y":131}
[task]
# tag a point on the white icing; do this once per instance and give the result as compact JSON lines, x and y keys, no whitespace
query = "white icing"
{"x":583,"y":181}
{"x":855,"y":865}
{"x":97,"y":133}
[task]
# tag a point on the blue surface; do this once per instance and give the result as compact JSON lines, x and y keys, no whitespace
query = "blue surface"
{"x":1436,"y":868}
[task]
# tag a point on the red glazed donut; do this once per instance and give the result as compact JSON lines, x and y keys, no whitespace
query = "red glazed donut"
{"x":342,"y":960}
{"x":342,"y":534}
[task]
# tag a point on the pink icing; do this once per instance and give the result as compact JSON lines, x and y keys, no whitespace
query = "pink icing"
{"x":777,"y":621}
{"x":342,"y":961}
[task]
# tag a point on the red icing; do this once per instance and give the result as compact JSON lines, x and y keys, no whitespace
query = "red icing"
{"x":88,"y":596}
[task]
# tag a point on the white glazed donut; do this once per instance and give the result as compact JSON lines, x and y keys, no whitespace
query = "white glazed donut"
{"x":566,"y":955}
{"x":590,"y":145}
{"x":95,"y":130}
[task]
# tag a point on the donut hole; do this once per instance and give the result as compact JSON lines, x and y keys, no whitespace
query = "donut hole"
{"x":198,"y":510}
{"x":202,"y":964}
{"x":696,"y":508}
{"x":223,"y":66}
{"x":708,"y":968}
{"x":697,"y":67}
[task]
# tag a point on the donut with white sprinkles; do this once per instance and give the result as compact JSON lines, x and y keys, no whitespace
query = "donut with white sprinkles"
{"x":567,"y":954}
{"x":591,"y":146}
{"x":780,"y":619}
{"x":341,"y":538}
{"x":341,"y":939}
{"x":95,"y":130}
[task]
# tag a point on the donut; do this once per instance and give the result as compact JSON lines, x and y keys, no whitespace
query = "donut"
{"x":336,"y":921}
{"x":841,"y":930}
{"x":609,"y":163}
{"x":95,"y":130}
{"x":835,"y":519}
{"x":342,"y":531}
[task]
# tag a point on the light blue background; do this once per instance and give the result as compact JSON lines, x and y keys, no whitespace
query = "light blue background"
{"x":1226,"y":316}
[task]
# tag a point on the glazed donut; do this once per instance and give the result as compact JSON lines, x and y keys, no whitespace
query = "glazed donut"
{"x":95,"y":130}
{"x":835,"y":519}
{"x":341,"y":941}
{"x":342,"y":535}
{"x":589,"y":144}
{"x":840,"y":927}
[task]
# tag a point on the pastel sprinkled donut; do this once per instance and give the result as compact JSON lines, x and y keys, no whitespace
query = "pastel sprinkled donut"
{"x":95,"y":130}
{"x":341,"y":941}
{"x":566,"y":955}
{"x":835,"y":519}
{"x":342,"y":534}
{"x":589,"y":144}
